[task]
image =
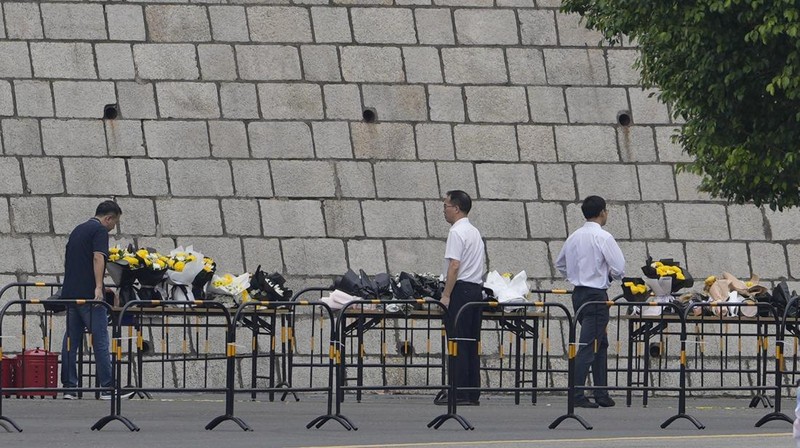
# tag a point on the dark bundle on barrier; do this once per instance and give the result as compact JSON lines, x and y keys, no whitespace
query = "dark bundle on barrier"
{"x":783,"y":299}
{"x":634,"y":289}
{"x":269,"y":287}
{"x":203,"y":277}
{"x":667,"y":267}
{"x":362,"y":285}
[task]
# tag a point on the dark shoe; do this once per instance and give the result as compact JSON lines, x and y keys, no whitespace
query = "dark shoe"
{"x":468,"y":402}
{"x":584,"y":402}
{"x":605,"y":402}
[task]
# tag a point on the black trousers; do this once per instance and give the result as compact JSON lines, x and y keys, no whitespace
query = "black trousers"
{"x":466,"y":365}
{"x":593,"y":340}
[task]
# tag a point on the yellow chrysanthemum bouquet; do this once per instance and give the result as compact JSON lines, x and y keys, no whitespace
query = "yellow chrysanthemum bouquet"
{"x":183,"y":267}
{"x":129,"y":265}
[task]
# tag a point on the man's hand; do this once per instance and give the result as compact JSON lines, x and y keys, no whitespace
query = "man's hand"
{"x":98,"y":293}
{"x":445,"y":300}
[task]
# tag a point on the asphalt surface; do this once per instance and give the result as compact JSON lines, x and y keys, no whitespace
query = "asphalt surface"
{"x":178,"y":420}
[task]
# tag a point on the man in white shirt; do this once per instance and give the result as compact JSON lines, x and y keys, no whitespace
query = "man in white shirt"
{"x":589,"y":260}
{"x":464,"y":267}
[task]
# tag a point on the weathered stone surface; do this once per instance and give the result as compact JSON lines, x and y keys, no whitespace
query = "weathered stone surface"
{"x":572,"y":32}
{"x":688,"y":187}
{"x":383,"y":140}
{"x":595,"y":104}
{"x":394,"y":219}
{"x":486,"y":27}
{"x":768,"y":260}
{"x":475,"y":142}
{"x":546,"y":220}
{"x":138,"y":216}
{"x":415,"y":255}
{"x":711,"y":258}
{"x":657,"y":182}
{"x":252,"y":178}
{"x":125,"y":138}
{"x":295,"y":218}
{"x":189,"y":216}
{"x":268,"y":62}
{"x":48,"y":254}
{"x":22,"y":261}
{"x":575,"y":66}
{"x":646,"y":108}
{"x":636,"y":144}
{"x":342,"y":102}
{"x":82,"y":99}
{"x":73,"y":138}
{"x":669,"y":151}
{"x":618,"y":183}
{"x":647,"y":221}
{"x":68,"y":212}
{"x":343,"y":218}
{"x":474,"y":66}
{"x":228,"y":139}
{"x":125,"y":22}
{"x":406,"y":180}
{"x":290,"y":101}
{"x":30,"y":215}
{"x":320,"y":63}
{"x":285,"y":140}
{"x":21,"y":137}
{"x":332,"y":140}
{"x":331,"y":24}
{"x":200,"y":177}
{"x":383,"y":25}
{"x":238,"y":100}
{"x":620,"y":66}
{"x":396,"y":103}
{"x":496,"y":104}
{"x":314,"y":256}
{"x":372,"y":64}
{"x":228,"y":23}
{"x":42,"y":175}
{"x":446,"y":103}
{"x":177,"y":23}
{"x":368,"y":255}
{"x":241,"y":216}
{"x":697,"y":221}
{"x":217,"y":62}
{"x":136,"y":100}
{"x":538,"y":27}
{"x":186,"y":100}
{"x":422,"y":64}
{"x":183,"y":139}
{"x":536,"y":143}
{"x":434,"y":26}
{"x":56,"y":60}
{"x":515,"y":256}
{"x":783,"y":225}
{"x":23,"y":20}
{"x":300,"y":178}
{"x":148,"y":177}
{"x":6,"y":99}
{"x":80,"y":176}
{"x":586,"y":144}
{"x":557,"y":182}
{"x":437,"y":225}
{"x":355,"y":179}
{"x":507,"y":181}
{"x":434,"y":141}
{"x":499,"y":219}
{"x":73,"y":21}
{"x":547,"y":105}
{"x":746,"y":222}
{"x":264,"y":252}
{"x":279,"y":24}
{"x":166,"y":61}
{"x":114,"y":61}
{"x":526,"y":66}
{"x":456,"y":176}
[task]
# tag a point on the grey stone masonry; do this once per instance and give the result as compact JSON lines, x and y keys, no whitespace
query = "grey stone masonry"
{"x":479,"y":27}
{"x":279,"y":24}
{"x":383,"y":26}
{"x":292,"y":218}
{"x":268,"y":62}
{"x":200,"y":177}
{"x":73,"y":21}
{"x":169,"y":23}
{"x":176,"y":139}
{"x":406,"y":180}
{"x":81,"y":99}
{"x":166,"y":61}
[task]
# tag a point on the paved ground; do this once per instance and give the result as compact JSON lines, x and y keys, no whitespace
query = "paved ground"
{"x":175,"y":420}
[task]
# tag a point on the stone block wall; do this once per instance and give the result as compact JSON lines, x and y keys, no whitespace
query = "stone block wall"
{"x":240,"y":130}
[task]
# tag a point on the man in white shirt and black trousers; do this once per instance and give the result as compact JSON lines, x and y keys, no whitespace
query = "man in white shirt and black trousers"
{"x":589,"y":260}
{"x":464,"y":267}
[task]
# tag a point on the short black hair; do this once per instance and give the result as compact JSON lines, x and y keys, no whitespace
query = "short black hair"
{"x":108,"y":208}
{"x":461,"y":200}
{"x":592,"y":206}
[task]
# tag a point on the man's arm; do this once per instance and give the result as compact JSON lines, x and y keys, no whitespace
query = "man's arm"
{"x":615,"y":259}
{"x":99,"y":270}
{"x":561,"y":261}
{"x":452,"y":276}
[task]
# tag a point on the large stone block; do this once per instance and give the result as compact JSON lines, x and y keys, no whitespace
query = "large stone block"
{"x":81,"y":173}
{"x":636,"y":144}
{"x":320,"y":63}
{"x":446,"y":103}
{"x":294,"y":218}
{"x":268,"y":62}
{"x":618,"y":182}
{"x":200,"y":177}
{"x":226,"y":252}
{"x":238,"y":100}
{"x":331,"y":24}
{"x":332,"y":140}
{"x":669,"y":151}
{"x":526,"y":66}
{"x":746,"y":222}
{"x":180,"y":139}
{"x":114,"y":61}
{"x":434,"y":26}
{"x":575,"y":66}
{"x":500,"y":219}
{"x":22,"y":261}
{"x":148,"y":177}
{"x":647,"y":221}
{"x":355,"y":179}
{"x":383,"y":25}
{"x":536,"y":143}
{"x":372,"y":64}
{"x":456,"y":176}
{"x":187,"y":100}
{"x":59,"y":60}
{"x":343,"y":219}
{"x":228,"y":23}
{"x":557,"y":182}
{"x":768,"y":260}
{"x":366,"y":254}
{"x":21,"y":136}
{"x":620,"y":66}
{"x":228,"y":139}
{"x":484,"y":142}
{"x":30,"y":215}
{"x":657,"y":182}
{"x":252,"y":178}
{"x":474,"y":66}
{"x":595,"y":104}
{"x":217,"y":62}
{"x":34,"y":98}
{"x":573,"y":32}
{"x":661,"y":249}
{"x":279,"y":24}
{"x":314,"y":256}
{"x":486,"y":27}
{"x":241,"y":216}
{"x":415,"y":255}
{"x":515,"y":256}
{"x":434,"y":141}
{"x":396,"y":103}
{"x":48,"y":253}
{"x":394,"y":219}
{"x":177,"y":23}
{"x":782,"y":225}
{"x":422,"y":64}
{"x":546,"y":220}
{"x":14,"y":60}
{"x":300,"y":178}
{"x":547,"y":105}
{"x":586,"y":144}
{"x":138,"y":216}
{"x":438,"y":227}
{"x":23,"y":20}
{"x":537,"y":27}
{"x":646,"y":108}
{"x":496,"y":104}
{"x":189,"y":216}
{"x":68,"y":212}
{"x":263,"y":252}
{"x":125,"y":22}
{"x":43,"y":175}
{"x":696,"y":221}
{"x":73,"y":138}
{"x":711,"y":258}
{"x":125,"y":138}
{"x":342,"y":101}
{"x":688,"y":185}
{"x":406,"y":180}
{"x":284,"y":140}
{"x":166,"y":61}
{"x":74,"y":21}
{"x":136,"y":100}
{"x":291,"y":101}
{"x":383,"y":140}
{"x":506,"y":181}
{"x":6,"y":99}
{"x":82,"y":99}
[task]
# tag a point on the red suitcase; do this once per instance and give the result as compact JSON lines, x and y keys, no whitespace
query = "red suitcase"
{"x":37,"y":368}
{"x":7,"y":371}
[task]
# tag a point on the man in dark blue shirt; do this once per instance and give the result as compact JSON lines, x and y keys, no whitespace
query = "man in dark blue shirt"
{"x":84,"y":268}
